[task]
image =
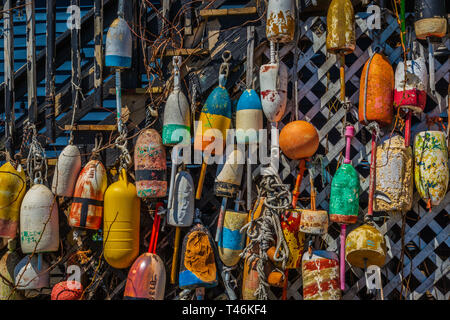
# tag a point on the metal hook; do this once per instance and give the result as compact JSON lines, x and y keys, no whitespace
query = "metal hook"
{"x":226,"y":55}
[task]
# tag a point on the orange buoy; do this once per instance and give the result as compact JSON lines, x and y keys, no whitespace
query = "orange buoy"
{"x":376,"y":95}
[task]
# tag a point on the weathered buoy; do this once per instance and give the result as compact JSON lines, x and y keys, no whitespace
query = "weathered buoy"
{"x":12,"y":190}
{"x":146,"y":279}
{"x":119,"y":46}
{"x":232,"y":241}
{"x":344,"y":194}
{"x":121,"y":223}
{"x":320,"y":272}
{"x":365,"y":246}
{"x":177,"y":113}
{"x":273,"y":80}
{"x":430,"y":18}
{"x":7,"y":264}
{"x":31,"y":273}
{"x":249,"y":117}
{"x":229,"y":175}
{"x":280,"y":24}
{"x":181,"y":214}
{"x":431,"y":171}
{"x":290,"y":224}
{"x":150,"y":165}
{"x":198,"y":267}
{"x":214,"y":121}
{"x":394,"y":176}
{"x":87,"y":204}
{"x":411,"y":91}
{"x":299,"y":140}
{"x":39,"y":225}
{"x":376,"y":95}
{"x":67,"y":290}
{"x":340,"y":27}
{"x":314,"y":221}
{"x":66,"y":171}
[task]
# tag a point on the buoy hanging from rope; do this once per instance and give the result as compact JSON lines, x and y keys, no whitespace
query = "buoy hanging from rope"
{"x":341,"y":34}
{"x":147,"y":276}
{"x":431,"y":170}
{"x":344,"y":199}
{"x":12,"y":190}
{"x":66,"y":171}
{"x":214,"y":121}
{"x":181,"y":214}
{"x":299,"y":140}
{"x":121,"y":222}
{"x":280,"y":23}
{"x":118,"y":54}
{"x":177,"y":123}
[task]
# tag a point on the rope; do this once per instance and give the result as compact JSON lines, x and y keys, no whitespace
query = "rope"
{"x":121,"y":144}
{"x":95,"y":153}
{"x":75,"y":104}
{"x":266,"y":230}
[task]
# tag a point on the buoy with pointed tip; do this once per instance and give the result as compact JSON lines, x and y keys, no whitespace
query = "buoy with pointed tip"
{"x":12,"y":190}
{"x":87,"y":205}
{"x":66,"y":171}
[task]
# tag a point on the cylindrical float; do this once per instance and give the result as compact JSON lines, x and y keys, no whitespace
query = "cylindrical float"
{"x":150,"y":165}
{"x":232,"y":241}
{"x":198,"y":266}
{"x":340,"y":27}
{"x":290,"y":224}
{"x":177,"y":113}
{"x":39,"y":225}
{"x":229,"y":175}
{"x":121,"y":223}
{"x":280,"y":24}
{"x":87,"y":204}
{"x":431,"y":171}
{"x":66,"y":171}
{"x":249,"y":117}
{"x":394,"y":181}
{"x":146,"y":279}
{"x":12,"y":190}
{"x":376,"y":95}
{"x":430,"y":19}
{"x":320,"y":272}
{"x":411,"y":91}
{"x":365,"y":246}
{"x":314,"y":221}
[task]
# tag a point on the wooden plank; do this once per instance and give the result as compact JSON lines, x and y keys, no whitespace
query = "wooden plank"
{"x":31,"y":62}
{"x":91,"y":127}
{"x":8,"y":101}
{"x":227,"y":12}
{"x":186,"y":52}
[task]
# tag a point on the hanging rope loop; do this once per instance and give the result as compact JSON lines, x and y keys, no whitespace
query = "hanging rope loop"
{"x":121,"y":144}
{"x":36,"y":160}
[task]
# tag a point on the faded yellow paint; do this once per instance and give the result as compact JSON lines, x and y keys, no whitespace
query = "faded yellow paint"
{"x":365,"y":242}
{"x":341,"y":27}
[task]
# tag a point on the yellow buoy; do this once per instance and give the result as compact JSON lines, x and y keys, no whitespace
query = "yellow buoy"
{"x":365,"y":246}
{"x":121,"y":223}
{"x":12,"y":191}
